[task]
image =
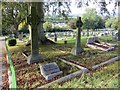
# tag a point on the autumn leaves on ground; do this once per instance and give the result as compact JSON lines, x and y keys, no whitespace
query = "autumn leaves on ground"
{"x":29,"y":76}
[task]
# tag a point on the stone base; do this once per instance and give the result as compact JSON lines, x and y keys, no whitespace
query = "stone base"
{"x":51,"y":76}
{"x":35,"y":59}
{"x":76,"y":51}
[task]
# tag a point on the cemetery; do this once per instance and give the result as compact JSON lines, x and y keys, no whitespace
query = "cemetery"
{"x":73,"y":54}
{"x":96,"y":44}
{"x":60,"y":54}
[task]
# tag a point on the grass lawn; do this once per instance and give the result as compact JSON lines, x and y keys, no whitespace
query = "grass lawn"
{"x":105,"y":77}
{"x":28,"y":76}
{"x":90,"y":57}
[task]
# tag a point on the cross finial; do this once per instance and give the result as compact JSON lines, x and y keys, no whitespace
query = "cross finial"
{"x":79,"y":23}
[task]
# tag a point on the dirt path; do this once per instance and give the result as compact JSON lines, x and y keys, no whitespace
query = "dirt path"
{"x":2,"y":44}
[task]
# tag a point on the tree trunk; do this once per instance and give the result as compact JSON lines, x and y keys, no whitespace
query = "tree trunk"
{"x":40,"y":12}
{"x":39,"y":7}
{"x":16,"y":30}
{"x":41,"y":34}
{"x":29,"y":27}
{"x":118,"y":42}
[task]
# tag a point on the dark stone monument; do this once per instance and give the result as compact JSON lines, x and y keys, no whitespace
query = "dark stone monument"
{"x":77,"y":49}
{"x":33,"y":20}
{"x":55,"y":37}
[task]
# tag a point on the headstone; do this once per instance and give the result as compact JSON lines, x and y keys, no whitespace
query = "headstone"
{"x":20,"y":36}
{"x":105,"y":34}
{"x":83,"y":33}
{"x":77,"y":49}
{"x":115,"y":37}
{"x":12,"y":35}
{"x":74,"y":35}
{"x":50,"y":70}
{"x":55,"y":37}
{"x":65,"y":42}
{"x":93,"y":40}
{"x":87,"y":32}
{"x":90,"y":41}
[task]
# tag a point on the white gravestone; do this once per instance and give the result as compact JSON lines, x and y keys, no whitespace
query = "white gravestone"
{"x":49,"y":71}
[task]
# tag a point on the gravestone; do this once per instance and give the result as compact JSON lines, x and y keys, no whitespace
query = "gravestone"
{"x":74,"y":35}
{"x":55,"y":37}
{"x":33,"y":20}
{"x":115,"y":37}
{"x":50,"y":70}
{"x":93,"y":40}
{"x":20,"y":36}
{"x":12,"y":35}
{"x":77,"y":49}
{"x":90,"y":41}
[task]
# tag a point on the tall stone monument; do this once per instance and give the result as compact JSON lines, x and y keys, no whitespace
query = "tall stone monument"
{"x":77,"y":49}
{"x":33,"y":20}
{"x":55,"y":37}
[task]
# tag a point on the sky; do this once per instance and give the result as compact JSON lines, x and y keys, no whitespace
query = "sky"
{"x":79,"y":11}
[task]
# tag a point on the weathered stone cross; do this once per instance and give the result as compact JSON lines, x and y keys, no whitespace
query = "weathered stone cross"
{"x":77,"y":49}
{"x":33,"y":20}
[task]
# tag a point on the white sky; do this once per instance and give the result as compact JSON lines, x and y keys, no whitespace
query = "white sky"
{"x":79,"y":11}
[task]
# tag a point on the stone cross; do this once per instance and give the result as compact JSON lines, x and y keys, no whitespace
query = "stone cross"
{"x":33,"y":20}
{"x":77,"y":50}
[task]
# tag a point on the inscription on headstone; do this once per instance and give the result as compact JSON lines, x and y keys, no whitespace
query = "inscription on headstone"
{"x":50,"y":70}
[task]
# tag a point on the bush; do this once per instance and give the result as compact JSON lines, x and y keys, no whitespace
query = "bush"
{"x":47,"y":26}
{"x":12,"y":42}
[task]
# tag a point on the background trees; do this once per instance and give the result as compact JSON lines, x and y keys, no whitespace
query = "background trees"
{"x":72,"y":23}
{"x":15,"y":12}
{"x":12,"y":15}
{"x":91,"y":20}
{"x":47,"y":26}
{"x":112,"y":23}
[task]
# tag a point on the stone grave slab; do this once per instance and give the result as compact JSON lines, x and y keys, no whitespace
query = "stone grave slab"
{"x":50,"y":70}
{"x":90,"y":41}
{"x":95,"y":44}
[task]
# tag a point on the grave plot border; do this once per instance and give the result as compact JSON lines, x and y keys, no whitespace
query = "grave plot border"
{"x":80,"y":72}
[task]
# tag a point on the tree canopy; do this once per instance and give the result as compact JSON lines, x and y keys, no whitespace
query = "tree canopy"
{"x":91,"y":20}
{"x":12,"y":14}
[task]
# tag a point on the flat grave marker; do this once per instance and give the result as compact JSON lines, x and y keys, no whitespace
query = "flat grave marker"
{"x":50,"y":70}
